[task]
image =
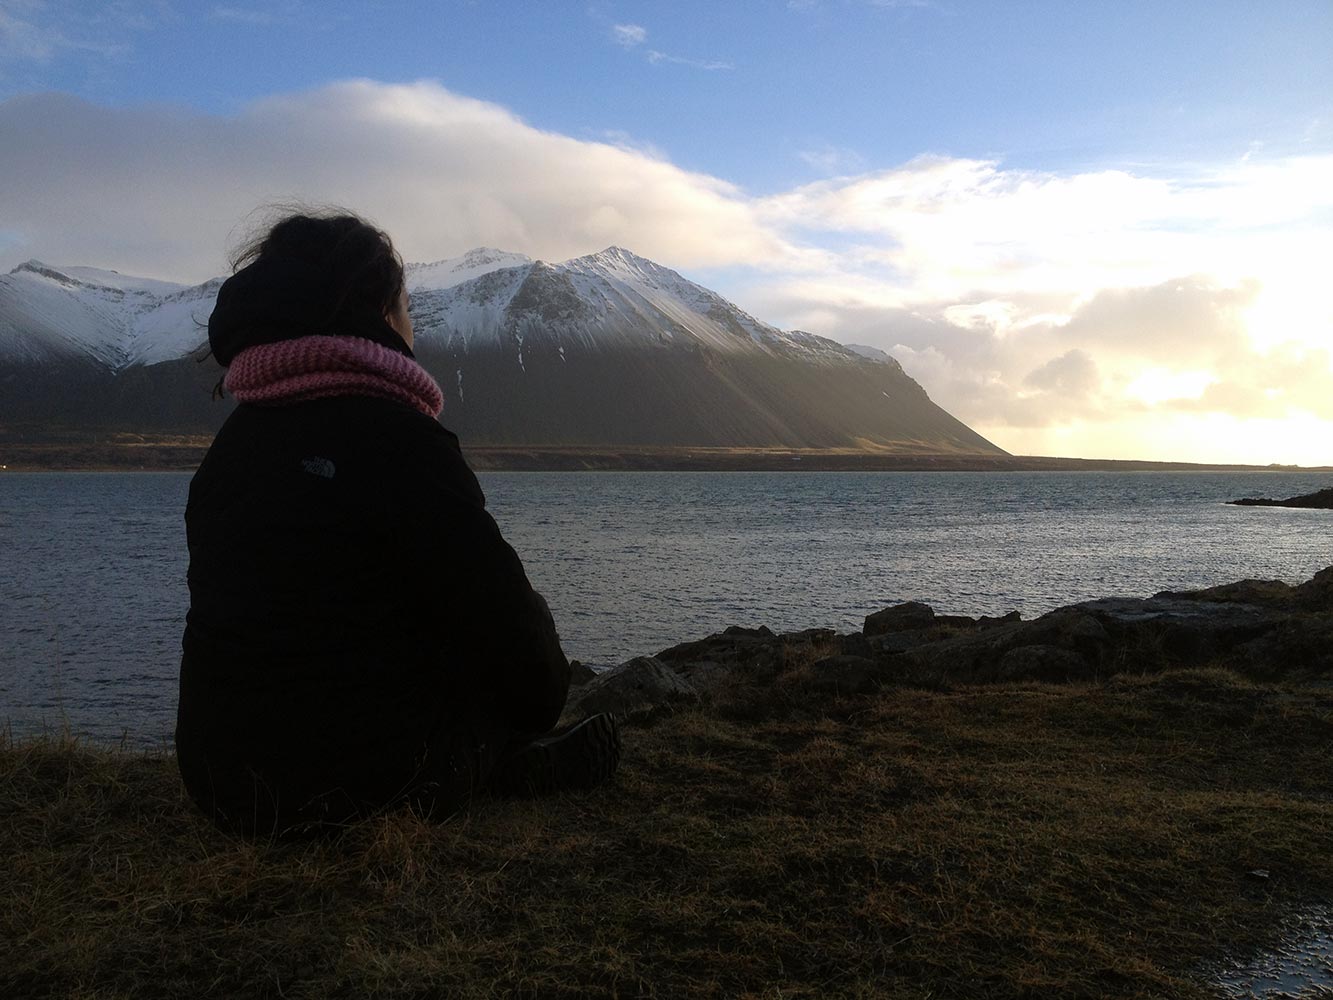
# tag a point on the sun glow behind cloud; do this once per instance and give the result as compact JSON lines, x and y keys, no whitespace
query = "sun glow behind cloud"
{"x":1116,"y":312}
{"x":1195,"y":296}
{"x":1158,"y":385}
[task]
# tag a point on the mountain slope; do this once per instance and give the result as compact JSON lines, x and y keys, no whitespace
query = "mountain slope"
{"x":607,"y":349}
{"x":110,"y":319}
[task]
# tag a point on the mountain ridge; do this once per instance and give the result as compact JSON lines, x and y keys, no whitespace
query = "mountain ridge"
{"x":609,"y":348}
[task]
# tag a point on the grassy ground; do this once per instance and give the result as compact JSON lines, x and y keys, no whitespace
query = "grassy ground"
{"x":988,"y":841}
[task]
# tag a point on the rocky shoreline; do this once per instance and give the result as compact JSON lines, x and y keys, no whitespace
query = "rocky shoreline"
{"x":1264,"y":630}
{"x":1319,"y":500}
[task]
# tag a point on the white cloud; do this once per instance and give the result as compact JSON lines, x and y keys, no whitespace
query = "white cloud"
{"x":629,"y":35}
{"x":1202,"y":277}
{"x":1162,"y":385}
{"x":22,"y":39}
{"x":29,"y":32}
{"x":655,"y":57}
{"x":627,"y":141}
{"x":833,"y":160}
{"x":1072,"y":374}
{"x":39,"y":31}
{"x":160,"y":191}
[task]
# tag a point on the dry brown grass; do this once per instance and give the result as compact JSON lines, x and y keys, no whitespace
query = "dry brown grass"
{"x":1033,"y":841}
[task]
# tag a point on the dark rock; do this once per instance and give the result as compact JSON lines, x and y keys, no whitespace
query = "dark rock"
{"x":955,"y":621}
{"x":808,"y":636}
{"x":899,"y":618}
{"x":755,"y":653}
{"x":845,"y":674}
{"x":1299,"y":645}
{"x":964,"y":656}
{"x":580,"y":673}
{"x":735,"y":643}
{"x":1072,"y":628}
{"x":1042,"y":663}
{"x":977,"y":655}
{"x":1319,"y":500}
{"x":762,"y":632}
{"x":855,"y":644}
{"x":1258,"y":628}
{"x":1240,"y":592}
{"x":1180,"y":630}
{"x":706,"y":673}
{"x":637,"y":685}
{"x":893,"y":643}
{"x":798,"y":649}
{"x":1316,"y":594}
{"x":748,"y":656}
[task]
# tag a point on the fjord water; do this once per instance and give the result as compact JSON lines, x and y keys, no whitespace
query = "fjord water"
{"x":92,"y":565}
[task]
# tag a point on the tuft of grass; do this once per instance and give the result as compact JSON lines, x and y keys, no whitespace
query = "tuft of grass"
{"x":997,"y":841}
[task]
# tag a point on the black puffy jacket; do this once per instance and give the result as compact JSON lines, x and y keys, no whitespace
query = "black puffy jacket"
{"x":355,"y":617}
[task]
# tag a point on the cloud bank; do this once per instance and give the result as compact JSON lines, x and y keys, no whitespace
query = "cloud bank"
{"x":1151,"y":314}
{"x":160,"y":190}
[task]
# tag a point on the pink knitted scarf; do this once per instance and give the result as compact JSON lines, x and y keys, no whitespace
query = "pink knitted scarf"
{"x":292,"y":371}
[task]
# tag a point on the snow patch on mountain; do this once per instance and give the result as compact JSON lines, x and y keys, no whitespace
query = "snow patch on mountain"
{"x":650,"y":290}
{"x":471,"y":311}
{"x":873,"y":354}
{"x":114,"y":279}
{"x":175,"y":327}
{"x":51,"y":313}
{"x":442,"y":274}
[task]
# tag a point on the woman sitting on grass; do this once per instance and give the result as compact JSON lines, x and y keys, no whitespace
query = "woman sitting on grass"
{"x":359,"y":635}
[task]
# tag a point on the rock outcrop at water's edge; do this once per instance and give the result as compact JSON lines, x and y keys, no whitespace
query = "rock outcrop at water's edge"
{"x":1319,"y":500}
{"x":1262,"y":629}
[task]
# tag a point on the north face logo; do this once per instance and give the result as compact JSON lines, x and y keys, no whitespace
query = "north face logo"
{"x":321,"y":467}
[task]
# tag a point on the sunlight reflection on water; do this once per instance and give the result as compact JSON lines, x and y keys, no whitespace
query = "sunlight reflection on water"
{"x":1301,"y":965}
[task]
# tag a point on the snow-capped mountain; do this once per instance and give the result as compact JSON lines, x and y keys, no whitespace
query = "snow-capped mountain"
{"x":604,"y":300}
{"x":871,"y":353}
{"x":483,"y":299}
{"x":605,"y":349}
{"x":85,"y":313}
{"x":444,"y":274}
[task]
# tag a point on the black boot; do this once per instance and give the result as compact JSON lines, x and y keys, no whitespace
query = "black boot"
{"x":582,"y":756}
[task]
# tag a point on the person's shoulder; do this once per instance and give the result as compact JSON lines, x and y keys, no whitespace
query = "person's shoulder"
{"x":393,"y":444}
{"x":418,"y":451}
{"x":381,"y":422}
{"x":404,"y":423}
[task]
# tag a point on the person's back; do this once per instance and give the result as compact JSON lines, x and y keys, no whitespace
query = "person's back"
{"x":359,"y":632}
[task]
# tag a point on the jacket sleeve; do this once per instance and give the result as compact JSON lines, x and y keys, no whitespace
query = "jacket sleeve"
{"x":498,"y":625}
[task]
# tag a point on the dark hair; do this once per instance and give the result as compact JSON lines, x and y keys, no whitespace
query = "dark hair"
{"x":359,"y":258}
{"x":309,"y":274}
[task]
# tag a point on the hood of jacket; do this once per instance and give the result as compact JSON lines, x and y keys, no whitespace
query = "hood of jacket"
{"x":269,"y":301}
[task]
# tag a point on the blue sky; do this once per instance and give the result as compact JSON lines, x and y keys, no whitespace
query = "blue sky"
{"x":763,"y":94}
{"x":1087,"y":228}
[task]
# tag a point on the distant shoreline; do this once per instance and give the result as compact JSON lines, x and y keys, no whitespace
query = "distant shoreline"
{"x":132,"y":452}
{"x":815,"y":460}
